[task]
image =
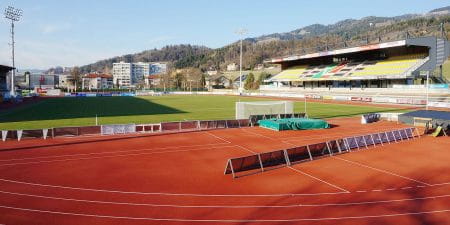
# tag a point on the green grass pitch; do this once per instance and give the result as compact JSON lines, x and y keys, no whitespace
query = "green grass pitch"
{"x":59,"y":112}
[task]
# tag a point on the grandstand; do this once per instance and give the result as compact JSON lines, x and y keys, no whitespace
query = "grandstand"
{"x":380,"y":65}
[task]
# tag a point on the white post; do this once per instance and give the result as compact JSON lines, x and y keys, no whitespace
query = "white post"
{"x":240,"y":32}
{"x":240,"y":69}
{"x":13,"y":74}
{"x":305,"y":103}
{"x":428,"y":83}
{"x":96,"y":120}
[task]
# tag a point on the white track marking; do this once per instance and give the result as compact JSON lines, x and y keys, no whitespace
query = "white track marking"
{"x":273,"y":139}
{"x":200,"y":195}
{"x":246,"y":149}
{"x":223,"y":139}
{"x":226,"y":206}
{"x":113,"y":156}
{"x":332,"y":185}
{"x":380,"y":170}
{"x":220,"y":138}
{"x":101,"y":153}
{"x":225,"y":220}
{"x":170,"y":194}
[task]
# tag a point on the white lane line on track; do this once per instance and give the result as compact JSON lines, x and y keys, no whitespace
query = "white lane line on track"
{"x":170,"y":194}
{"x":246,"y":149}
{"x":225,"y":220}
{"x":113,"y":156}
{"x":225,"y":206}
{"x":270,"y":138}
{"x":109,"y":152}
{"x":220,"y":138}
{"x":199,"y":195}
{"x":223,"y":139}
{"x":332,"y":185}
{"x":380,"y":170}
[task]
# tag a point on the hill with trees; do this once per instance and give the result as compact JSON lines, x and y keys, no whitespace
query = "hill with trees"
{"x":316,"y":37}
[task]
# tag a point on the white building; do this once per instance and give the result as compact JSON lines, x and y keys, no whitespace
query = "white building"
{"x":122,"y":74}
{"x":129,"y":74}
{"x":232,"y":67}
{"x":95,"y":81}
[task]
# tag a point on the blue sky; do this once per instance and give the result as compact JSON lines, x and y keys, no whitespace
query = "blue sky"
{"x":69,"y":33}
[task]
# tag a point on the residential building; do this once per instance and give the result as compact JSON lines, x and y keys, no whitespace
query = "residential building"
{"x":212,"y":72}
{"x":232,"y":67}
{"x":66,"y":81}
{"x":130,"y":74}
{"x":122,"y":74}
{"x":97,"y":81}
{"x":158,"y":68}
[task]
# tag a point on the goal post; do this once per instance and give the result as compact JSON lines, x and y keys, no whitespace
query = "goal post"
{"x":246,"y":109}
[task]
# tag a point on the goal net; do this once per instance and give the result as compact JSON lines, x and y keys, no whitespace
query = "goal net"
{"x":245,"y":109}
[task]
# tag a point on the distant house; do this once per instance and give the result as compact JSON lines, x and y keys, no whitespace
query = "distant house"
{"x":97,"y":81}
{"x":218,"y":81}
{"x":237,"y":80}
{"x":232,"y":67}
{"x":212,"y":72}
{"x":153,"y":80}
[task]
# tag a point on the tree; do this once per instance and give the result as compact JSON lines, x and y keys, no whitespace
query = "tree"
{"x":203,"y":81}
{"x":261,"y":78}
{"x":179,"y":80}
{"x":76,"y":76}
{"x":249,"y":82}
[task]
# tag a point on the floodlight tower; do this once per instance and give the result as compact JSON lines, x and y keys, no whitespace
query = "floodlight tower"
{"x":241,"y":32}
{"x":14,"y":15}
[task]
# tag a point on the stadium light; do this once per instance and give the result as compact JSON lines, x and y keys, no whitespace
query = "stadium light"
{"x":241,"y":32}
{"x":14,"y":15}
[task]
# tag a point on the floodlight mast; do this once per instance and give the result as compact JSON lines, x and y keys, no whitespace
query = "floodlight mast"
{"x":14,"y":15}
{"x":241,"y":32}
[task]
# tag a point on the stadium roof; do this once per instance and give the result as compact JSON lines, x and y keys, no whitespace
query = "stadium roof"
{"x":5,"y":69}
{"x":340,"y":51}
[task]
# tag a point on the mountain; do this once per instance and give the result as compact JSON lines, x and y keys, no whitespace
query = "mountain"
{"x":441,"y":9}
{"x":257,"y":49}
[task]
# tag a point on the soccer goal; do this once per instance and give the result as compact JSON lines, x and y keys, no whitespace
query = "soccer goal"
{"x":245,"y":109}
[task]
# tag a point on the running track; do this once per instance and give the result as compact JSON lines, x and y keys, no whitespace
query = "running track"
{"x":178,"y":179}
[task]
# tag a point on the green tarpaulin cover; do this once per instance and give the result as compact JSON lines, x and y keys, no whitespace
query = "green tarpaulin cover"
{"x":294,"y":124}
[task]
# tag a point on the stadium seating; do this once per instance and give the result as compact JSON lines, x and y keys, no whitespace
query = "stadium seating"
{"x":292,"y":73}
{"x":392,"y":66}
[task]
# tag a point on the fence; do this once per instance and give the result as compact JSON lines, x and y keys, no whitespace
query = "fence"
{"x":280,"y":158}
{"x":113,"y":129}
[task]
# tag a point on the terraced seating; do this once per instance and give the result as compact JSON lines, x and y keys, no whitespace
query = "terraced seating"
{"x":291,"y":73}
{"x":392,"y":66}
{"x":395,"y":65}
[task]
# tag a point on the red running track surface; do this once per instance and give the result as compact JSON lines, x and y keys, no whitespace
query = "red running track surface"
{"x":178,"y":179}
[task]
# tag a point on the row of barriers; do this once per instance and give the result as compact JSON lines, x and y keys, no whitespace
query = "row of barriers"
{"x":252,"y":164}
{"x":114,"y":129}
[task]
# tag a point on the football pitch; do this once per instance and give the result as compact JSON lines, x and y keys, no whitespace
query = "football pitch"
{"x":60,"y":112}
